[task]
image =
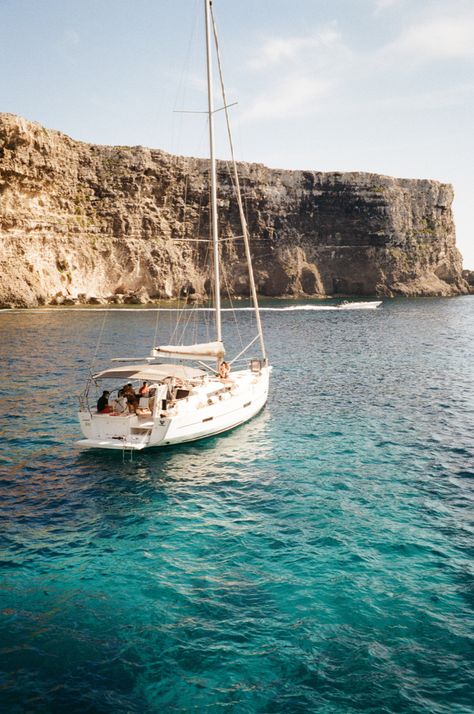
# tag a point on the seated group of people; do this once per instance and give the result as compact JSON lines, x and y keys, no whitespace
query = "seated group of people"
{"x":127,"y":401}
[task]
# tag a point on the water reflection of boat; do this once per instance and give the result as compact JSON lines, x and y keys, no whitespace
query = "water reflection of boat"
{"x":198,"y":462}
{"x":184,"y":403}
{"x":202,"y":462}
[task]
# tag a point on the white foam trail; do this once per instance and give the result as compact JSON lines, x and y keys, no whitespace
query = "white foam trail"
{"x":347,"y":306}
{"x":290,"y":308}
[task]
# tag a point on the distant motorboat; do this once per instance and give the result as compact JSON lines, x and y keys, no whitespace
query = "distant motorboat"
{"x":348,"y":305}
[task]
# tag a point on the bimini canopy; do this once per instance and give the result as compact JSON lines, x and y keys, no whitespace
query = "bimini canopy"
{"x":206,"y":351}
{"x":150,"y":372}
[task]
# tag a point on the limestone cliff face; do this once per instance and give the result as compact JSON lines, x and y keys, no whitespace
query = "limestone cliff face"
{"x":81,"y":222}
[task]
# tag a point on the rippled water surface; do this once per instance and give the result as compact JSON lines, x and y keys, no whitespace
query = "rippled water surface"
{"x":317,"y":559}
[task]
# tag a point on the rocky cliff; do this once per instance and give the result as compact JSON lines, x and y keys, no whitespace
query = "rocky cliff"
{"x":80,"y":222}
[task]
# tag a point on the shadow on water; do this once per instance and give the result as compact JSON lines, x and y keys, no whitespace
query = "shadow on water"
{"x":217,"y":458}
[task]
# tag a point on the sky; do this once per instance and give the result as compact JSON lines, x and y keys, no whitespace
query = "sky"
{"x":384,"y":86}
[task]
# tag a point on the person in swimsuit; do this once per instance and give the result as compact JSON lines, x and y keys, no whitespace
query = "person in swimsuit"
{"x":144,"y":390}
{"x":224,"y":370}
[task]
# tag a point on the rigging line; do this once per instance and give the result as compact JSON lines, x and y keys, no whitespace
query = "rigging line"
{"x":197,"y":111}
{"x":155,"y":336}
{"x":252,"y":314}
{"x":180,"y":90}
{"x":234,"y":313}
{"x":183,"y":165}
{"x":245,"y":349}
{"x":193,"y":251}
{"x":252,"y":318}
{"x":180,"y":309}
{"x":181,"y":316}
{"x":190,"y":240}
{"x":210,"y":369}
{"x":243,"y":221}
{"x":190,"y":317}
{"x":136,"y":233}
{"x":213,"y":174}
{"x":186,"y":318}
{"x":157,"y":322}
{"x":184,"y":315}
{"x":185,"y":199}
{"x":231,"y":179}
{"x":205,"y":240}
{"x":205,"y":263}
{"x":184,"y":327}
{"x":99,"y":339}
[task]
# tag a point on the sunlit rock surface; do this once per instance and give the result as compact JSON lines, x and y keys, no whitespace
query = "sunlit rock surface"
{"x":81,"y":223}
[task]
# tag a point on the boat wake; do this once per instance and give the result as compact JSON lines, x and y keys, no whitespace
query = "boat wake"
{"x":373,"y":305}
{"x":344,"y":306}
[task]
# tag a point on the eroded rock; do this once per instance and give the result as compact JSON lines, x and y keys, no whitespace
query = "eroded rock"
{"x":96,"y":224}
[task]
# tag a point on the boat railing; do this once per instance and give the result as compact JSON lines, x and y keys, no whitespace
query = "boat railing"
{"x":84,"y":396}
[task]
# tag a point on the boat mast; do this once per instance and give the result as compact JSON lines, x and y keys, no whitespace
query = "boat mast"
{"x":214,"y":228}
{"x":243,"y":220}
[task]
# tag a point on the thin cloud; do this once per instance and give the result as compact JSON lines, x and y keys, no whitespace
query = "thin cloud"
{"x":276,"y":50}
{"x":455,"y":96}
{"x":443,"y":37}
{"x":297,"y":72}
{"x":292,"y":96}
{"x":381,"y":5}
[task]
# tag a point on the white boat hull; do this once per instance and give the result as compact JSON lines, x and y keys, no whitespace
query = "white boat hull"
{"x":214,"y":407}
{"x":372,"y":305}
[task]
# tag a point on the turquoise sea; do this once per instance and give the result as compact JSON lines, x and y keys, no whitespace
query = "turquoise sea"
{"x":317,"y":559}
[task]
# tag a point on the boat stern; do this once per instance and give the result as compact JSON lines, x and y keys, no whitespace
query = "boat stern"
{"x":107,"y":431}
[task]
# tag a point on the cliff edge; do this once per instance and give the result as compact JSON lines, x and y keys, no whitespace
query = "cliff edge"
{"x":80,"y":222}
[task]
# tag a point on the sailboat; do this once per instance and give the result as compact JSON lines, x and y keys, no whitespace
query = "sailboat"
{"x":185,"y":398}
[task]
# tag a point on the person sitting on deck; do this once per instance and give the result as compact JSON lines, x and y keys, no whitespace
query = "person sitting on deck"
{"x":120,"y":405}
{"x":224,"y":370}
{"x":144,"y":390}
{"x":103,"y":403}
{"x":131,"y":397}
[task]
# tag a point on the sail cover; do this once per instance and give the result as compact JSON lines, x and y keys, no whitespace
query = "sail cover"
{"x":150,"y":372}
{"x":207,"y":351}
